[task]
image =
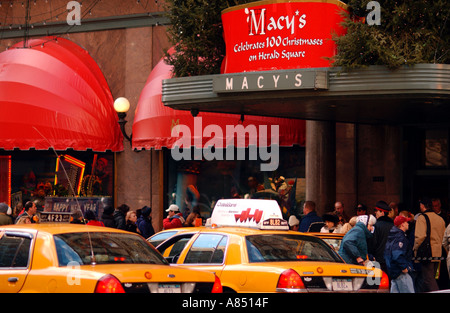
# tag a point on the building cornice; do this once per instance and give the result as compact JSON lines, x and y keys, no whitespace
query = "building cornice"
{"x":409,"y":95}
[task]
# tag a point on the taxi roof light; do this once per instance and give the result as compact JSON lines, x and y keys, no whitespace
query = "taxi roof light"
{"x":252,"y":213}
{"x":109,"y":284}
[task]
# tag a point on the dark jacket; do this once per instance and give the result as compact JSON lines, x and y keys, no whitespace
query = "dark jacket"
{"x":119,"y":219}
{"x":354,"y":243}
{"x":383,"y":226}
{"x":131,"y":227}
{"x":108,"y":220}
{"x":145,"y":226}
{"x":307,"y":220}
{"x":398,"y":253}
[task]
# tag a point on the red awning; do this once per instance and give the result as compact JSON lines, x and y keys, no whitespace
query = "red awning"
{"x":54,"y":95}
{"x":153,"y":122}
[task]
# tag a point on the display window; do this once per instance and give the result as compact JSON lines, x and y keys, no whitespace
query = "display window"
{"x":40,"y":175}
{"x":200,"y":183}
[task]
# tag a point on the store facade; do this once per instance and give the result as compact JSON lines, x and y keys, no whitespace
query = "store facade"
{"x":58,"y":131}
{"x":370,"y":133}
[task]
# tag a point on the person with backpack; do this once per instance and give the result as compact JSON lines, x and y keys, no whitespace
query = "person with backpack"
{"x":432,"y":226}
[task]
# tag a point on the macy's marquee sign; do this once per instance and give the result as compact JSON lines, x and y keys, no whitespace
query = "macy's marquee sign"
{"x":275,"y":35}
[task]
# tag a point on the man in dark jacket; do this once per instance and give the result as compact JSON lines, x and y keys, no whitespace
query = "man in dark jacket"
{"x":310,"y":216}
{"x":382,"y":228}
{"x":107,"y":217}
{"x":119,"y":216}
{"x":144,"y":222}
{"x":398,"y":256}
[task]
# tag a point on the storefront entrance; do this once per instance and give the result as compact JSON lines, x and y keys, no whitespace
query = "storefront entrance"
{"x":426,"y":170}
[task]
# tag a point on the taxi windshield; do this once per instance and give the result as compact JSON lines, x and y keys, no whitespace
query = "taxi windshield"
{"x":284,"y":247}
{"x":108,"y":248}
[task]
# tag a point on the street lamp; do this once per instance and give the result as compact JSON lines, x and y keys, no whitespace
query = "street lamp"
{"x":122,"y":105}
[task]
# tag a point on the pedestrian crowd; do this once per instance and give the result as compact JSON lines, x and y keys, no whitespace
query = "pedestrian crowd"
{"x":414,"y":250}
{"x":139,"y":221}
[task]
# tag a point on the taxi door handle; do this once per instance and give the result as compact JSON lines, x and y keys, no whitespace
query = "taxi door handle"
{"x":13,"y":279}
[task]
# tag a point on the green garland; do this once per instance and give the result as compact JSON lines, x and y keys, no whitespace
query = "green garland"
{"x":410,"y":32}
{"x":196,"y":32}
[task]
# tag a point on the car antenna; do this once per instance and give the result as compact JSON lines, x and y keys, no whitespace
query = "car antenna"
{"x":93,"y":261}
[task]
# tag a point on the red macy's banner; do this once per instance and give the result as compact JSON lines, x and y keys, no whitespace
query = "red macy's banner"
{"x":280,"y":34}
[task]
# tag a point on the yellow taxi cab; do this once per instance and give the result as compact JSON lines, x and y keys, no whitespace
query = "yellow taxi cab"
{"x":162,"y":235}
{"x":249,"y":247}
{"x":79,"y":258}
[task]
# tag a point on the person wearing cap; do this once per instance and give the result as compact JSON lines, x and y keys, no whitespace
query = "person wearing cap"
{"x":174,"y":218}
{"x":382,"y":228}
{"x":4,"y":218}
{"x":354,"y":248}
{"x":398,"y":256}
{"x":429,"y":268}
{"x":293,"y":223}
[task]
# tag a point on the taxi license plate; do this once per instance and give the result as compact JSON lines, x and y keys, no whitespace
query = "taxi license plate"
{"x":169,"y":288}
{"x":342,"y":284}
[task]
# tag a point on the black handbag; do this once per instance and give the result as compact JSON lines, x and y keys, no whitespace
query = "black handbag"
{"x":424,"y":253}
